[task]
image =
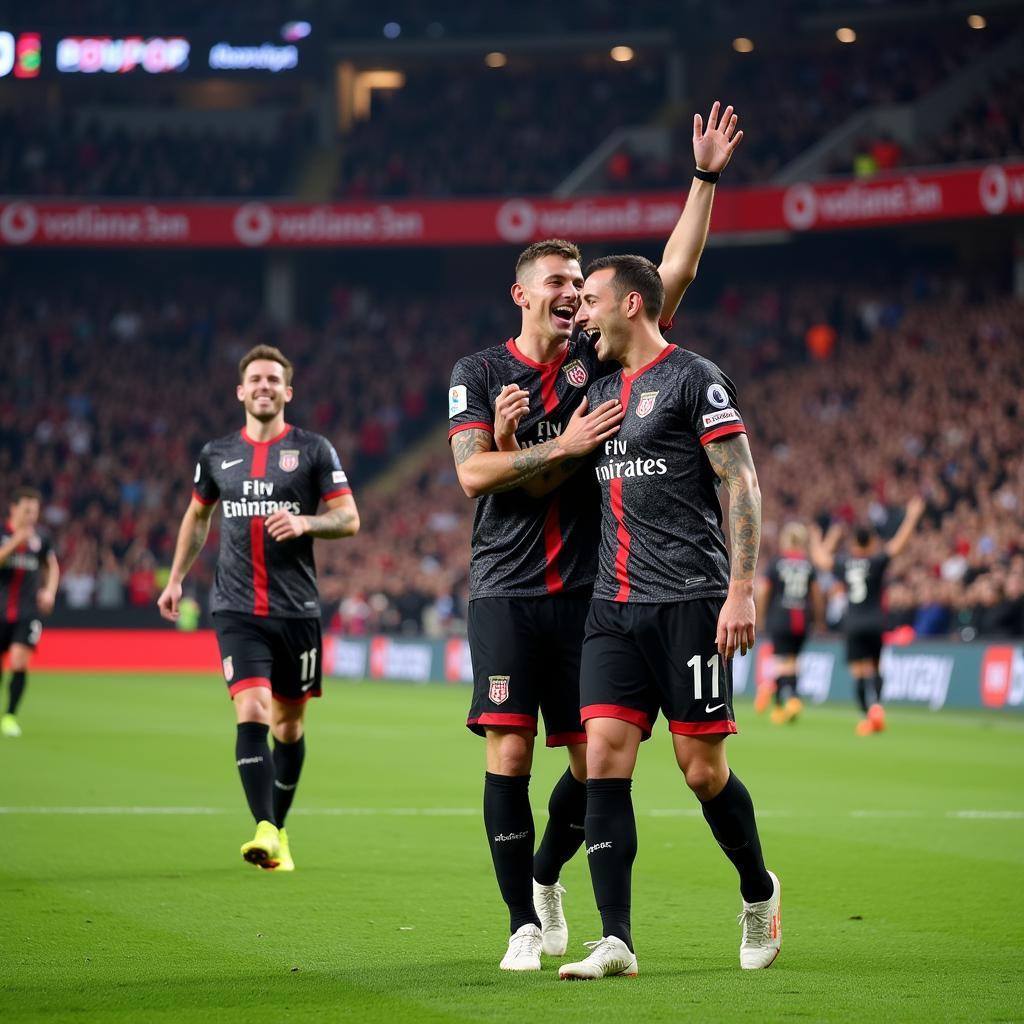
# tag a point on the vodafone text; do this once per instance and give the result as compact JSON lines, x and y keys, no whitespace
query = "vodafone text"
{"x":633,"y":467}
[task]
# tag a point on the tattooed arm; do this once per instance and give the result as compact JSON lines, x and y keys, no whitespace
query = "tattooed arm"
{"x":482,"y":471}
{"x":340,"y":520}
{"x":195,"y":528}
{"x":731,"y":461}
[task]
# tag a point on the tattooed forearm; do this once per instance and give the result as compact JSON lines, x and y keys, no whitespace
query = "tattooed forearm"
{"x":528,"y":463}
{"x":342,"y":521}
{"x":732,"y":463}
{"x":467,"y":443}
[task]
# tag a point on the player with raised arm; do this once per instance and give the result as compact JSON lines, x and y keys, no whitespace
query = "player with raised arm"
{"x":788,"y":599}
{"x":29,"y":575}
{"x":518,"y":417}
{"x":862,"y":572}
{"x":269,"y":479}
{"x":669,"y":611}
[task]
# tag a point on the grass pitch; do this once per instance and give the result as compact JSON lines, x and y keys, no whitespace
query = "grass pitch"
{"x":123,"y":897}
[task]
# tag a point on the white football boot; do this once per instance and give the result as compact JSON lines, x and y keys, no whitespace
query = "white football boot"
{"x":547,"y":901}
{"x":609,"y":956}
{"x":523,"y":950}
{"x":762,"y":930}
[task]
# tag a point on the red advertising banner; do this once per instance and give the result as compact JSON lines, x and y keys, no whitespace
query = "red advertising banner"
{"x":991,"y":191}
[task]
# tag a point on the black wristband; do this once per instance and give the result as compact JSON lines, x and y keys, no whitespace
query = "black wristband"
{"x":709,"y":176}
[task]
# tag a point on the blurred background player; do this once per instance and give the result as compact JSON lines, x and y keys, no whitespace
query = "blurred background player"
{"x":29,"y":575}
{"x":534,"y":559}
{"x":670,"y":607}
{"x":269,"y":478}
{"x":862,"y":572}
{"x":788,"y":600}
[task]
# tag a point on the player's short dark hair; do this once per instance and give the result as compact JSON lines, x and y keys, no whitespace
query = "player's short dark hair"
{"x":863,"y":535}
{"x":25,"y":492}
{"x":634,"y":274}
{"x":549,"y":247}
{"x":275,"y":355}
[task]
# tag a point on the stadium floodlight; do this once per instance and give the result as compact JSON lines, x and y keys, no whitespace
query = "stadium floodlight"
{"x":495,"y":60}
{"x":622,"y":54}
{"x":846,"y":35}
{"x":742,"y":44}
{"x":976,"y":21}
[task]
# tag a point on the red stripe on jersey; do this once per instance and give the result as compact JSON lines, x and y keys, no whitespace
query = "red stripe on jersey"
{"x":624,"y":540}
{"x":628,"y":378}
{"x":618,"y":712}
{"x":797,"y":621}
{"x":701,"y":728}
{"x":257,"y":535}
{"x":489,"y":427}
{"x":553,"y":546}
{"x":337,"y":494}
{"x":202,"y":500}
{"x":548,"y":374}
{"x":15,"y":593}
{"x":727,"y":431}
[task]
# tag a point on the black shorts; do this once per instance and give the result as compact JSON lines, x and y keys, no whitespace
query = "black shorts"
{"x":21,"y":631}
{"x":788,"y":645}
{"x":283,"y":655}
{"x":864,"y":645}
{"x":639,"y":659}
{"x":526,"y":659}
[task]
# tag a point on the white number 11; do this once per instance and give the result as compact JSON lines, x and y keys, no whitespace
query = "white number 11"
{"x":695,"y":664}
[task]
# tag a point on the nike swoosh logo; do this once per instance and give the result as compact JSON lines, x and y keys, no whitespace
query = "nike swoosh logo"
{"x":233,"y":462}
{"x":708,"y":708}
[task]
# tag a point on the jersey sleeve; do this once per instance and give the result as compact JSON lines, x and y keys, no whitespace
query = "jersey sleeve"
{"x":469,"y":405}
{"x":710,"y":401}
{"x":204,"y":487}
{"x":331,"y":476}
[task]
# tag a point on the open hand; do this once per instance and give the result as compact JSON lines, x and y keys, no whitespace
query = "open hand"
{"x":713,"y":148}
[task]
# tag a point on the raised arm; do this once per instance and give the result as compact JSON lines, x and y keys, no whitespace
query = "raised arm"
{"x":192,"y":534}
{"x":483,"y":471}
{"x":915,"y":509}
{"x":730,"y":458}
{"x":712,"y":151}
{"x":822,"y":550}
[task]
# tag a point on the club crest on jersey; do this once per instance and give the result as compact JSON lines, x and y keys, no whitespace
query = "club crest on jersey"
{"x":646,"y":403}
{"x":498,"y":690}
{"x":288,"y":460}
{"x":576,"y":373}
{"x":229,"y":669}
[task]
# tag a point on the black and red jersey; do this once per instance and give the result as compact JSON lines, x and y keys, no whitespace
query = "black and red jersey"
{"x":252,"y":480}
{"x":20,"y":576}
{"x":661,"y":520}
{"x":524,"y":546}
{"x":864,"y":577}
{"x":791,"y":577}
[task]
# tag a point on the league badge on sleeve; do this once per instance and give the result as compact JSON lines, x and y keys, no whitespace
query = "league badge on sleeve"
{"x":576,"y":373}
{"x":498,"y":690}
{"x":646,"y":403}
{"x":458,"y":400}
{"x":288,"y":460}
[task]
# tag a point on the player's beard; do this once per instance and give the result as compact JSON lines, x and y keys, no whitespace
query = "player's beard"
{"x":265,"y":413}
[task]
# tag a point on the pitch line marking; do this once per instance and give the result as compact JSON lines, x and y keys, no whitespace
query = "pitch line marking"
{"x":469,"y":812}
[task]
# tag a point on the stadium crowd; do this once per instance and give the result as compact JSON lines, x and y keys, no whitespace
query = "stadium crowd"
{"x":108,"y":402}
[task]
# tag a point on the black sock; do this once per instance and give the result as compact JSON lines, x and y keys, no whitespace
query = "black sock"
{"x":288,"y":758}
{"x":252,"y":755}
{"x":17,"y":689}
{"x":862,"y":694}
{"x":611,"y":850}
{"x":874,"y":694}
{"x":731,"y":817}
{"x":786,"y":688}
{"x":564,"y":835}
{"x":508,"y":819}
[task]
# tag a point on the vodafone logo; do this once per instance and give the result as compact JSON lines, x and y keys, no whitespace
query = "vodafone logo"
{"x":993,"y":190}
{"x":800,"y":207}
{"x":516,"y":220}
{"x":19,"y":223}
{"x":253,"y":224}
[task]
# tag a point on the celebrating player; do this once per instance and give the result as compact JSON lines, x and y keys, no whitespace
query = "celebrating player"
{"x":786,"y":593}
{"x":29,"y":574}
{"x":863,"y":573}
{"x":668,"y":614}
{"x":269,"y":478}
{"x":533,"y":559}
